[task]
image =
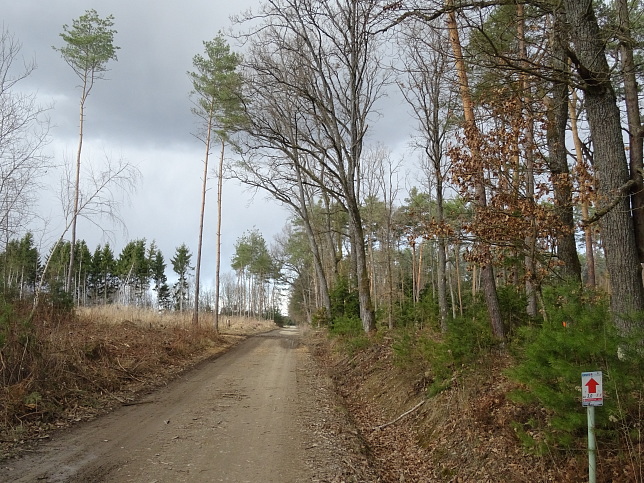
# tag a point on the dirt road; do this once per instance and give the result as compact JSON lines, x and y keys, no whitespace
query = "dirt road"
{"x":243,"y":417}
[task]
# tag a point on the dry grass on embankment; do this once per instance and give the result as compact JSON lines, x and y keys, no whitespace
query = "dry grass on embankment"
{"x":59,"y":370}
{"x":228,"y":325}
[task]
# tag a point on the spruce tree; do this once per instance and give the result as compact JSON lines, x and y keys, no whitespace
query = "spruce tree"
{"x":181,"y":266}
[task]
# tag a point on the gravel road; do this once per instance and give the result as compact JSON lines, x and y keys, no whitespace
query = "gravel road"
{"x":252,"y":415}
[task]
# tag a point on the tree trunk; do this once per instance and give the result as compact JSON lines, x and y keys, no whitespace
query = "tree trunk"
{"x":204,"y":186}
{"x":622,"y":261}
{"x":334,"y":249}
{"x":389,"y":203}
{"x":322,"y":283}
{"x":362,"y":274}
{"x":588,"y":230}
{"x":81,"y":122}
{"x":457,"y":263}
{"x":419,"y":274}
{"x":442,"y":284}
{"x":471,"y":130}
{"x":413,"y":272}
{"x":371,"y":267}
{"x":557,"y":106}
{"x":220,"y":184}
{"x":635,"y":128}
{"x":356,"y":134}
{"x":531,"y":283}
{"x":442,"y":250}
{"x":390,"y":281}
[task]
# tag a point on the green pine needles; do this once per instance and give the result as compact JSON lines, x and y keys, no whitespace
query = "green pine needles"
{"x":89,"y":45}
{"x":577,"y":336}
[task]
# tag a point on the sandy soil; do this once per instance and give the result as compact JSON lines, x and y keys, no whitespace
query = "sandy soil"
{"x":259,"y":413}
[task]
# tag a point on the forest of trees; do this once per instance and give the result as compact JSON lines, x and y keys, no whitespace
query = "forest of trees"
{"x":100,"y":277}
{"x":137,"y":276}
{"x":528,"y":138}
{"x":521,"y":232}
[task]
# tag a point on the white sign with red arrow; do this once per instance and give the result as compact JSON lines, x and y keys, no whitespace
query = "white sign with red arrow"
{"x":592,"y":389}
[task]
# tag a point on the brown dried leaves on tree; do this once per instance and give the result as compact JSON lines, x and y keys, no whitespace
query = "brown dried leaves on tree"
{"x":499,"y":228}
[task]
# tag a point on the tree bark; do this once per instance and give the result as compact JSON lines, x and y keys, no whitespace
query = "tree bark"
{"x":531,"y":283}
{"x":442,"y":248}
{"x":557,"y":105}
{"x":472,"y":131}
{"x":81,"y":123}
{"x":635,"y":128}
{"x":622,"y":261}
{"x":204,"y":186}
{"x":220,"y":185}
{"x":364,"y":296}
{"x":356,"y":134}
{"x":588,"y":229}
{"x":322,"y":283}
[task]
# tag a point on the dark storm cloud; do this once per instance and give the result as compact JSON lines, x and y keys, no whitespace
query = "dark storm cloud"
{"x":141,"y":112}
{"x":144,"y":98}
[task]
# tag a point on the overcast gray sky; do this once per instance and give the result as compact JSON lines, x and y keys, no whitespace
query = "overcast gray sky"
{"x":141,"y":113}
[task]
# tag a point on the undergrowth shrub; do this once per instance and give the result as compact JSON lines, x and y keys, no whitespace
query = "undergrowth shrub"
{"x":20,"y":356}
{"x":60,"y":299}
{"x":17,"y":343}
{"x":350,"y":332}
{"x":344,"y":300}
{"x":320,"y":318}
{"x":577,"y":336}
{"x":439,"y":356}
{"x":279,"y":319}
{"x":346,"y":326}
{"x":421,"y":314}
{"x":512,"y":303}
{"x":344,"y":322}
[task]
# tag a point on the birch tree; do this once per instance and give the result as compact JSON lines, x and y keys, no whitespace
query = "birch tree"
{"x":98,"y":201}
{"x":24,"y":132}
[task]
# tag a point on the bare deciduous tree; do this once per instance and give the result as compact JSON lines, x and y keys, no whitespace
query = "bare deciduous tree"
{"x":334,"y":77}
{"x":24,"y":131}
{"x":382,"y":186}
{"x":98,"y":201}
{"x":425,"y":86}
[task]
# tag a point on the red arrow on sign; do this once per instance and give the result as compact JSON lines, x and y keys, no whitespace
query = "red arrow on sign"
{"x":592,"y":386}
